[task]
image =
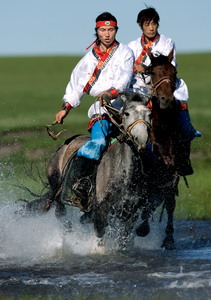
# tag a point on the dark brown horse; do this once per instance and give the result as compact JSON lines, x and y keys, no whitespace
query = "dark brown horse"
{"x":165,"y":133}
{"x":163,"y":79}
{"x":165,"y":138}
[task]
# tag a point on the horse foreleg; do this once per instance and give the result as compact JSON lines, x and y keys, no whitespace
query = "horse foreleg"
{"x":124,"y":238}
{"x":168,"y":242}
{"x":100,"y":222}
{"x":144,"y":229}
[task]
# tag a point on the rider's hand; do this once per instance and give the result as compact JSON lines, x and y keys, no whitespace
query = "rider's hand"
{"x":104,"y":98}
{"x":139,"y":69}
{"x":60,"y":116}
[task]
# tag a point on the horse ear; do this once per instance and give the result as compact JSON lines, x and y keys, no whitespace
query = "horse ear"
{"x":171,"y":55}
{"x":139,"y":97}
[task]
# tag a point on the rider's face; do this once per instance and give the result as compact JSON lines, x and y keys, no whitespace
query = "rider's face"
{"x":150,"y":29}
{"x":106,"y":35}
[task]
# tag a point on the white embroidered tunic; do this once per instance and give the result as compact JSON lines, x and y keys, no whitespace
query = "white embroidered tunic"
{"x":116,"y":73}
{"x":163,"y":45}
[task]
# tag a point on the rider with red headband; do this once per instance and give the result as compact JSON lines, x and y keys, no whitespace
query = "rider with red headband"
{"x":105,"y":70}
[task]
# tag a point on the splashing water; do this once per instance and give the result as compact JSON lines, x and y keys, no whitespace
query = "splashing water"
{"x":32,"y":239}
{"x":41,"y":255}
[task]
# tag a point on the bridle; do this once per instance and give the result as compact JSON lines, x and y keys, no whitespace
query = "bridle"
{"x":158,"y":83}
{"x":130,"y":127}
{"x":162,"y":80}
{"x":125,"y":131}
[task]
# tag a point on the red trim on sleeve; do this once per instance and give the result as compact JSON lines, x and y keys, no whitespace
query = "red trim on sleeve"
{"x":183,"y":105}
{"x":114,"y":93}
{"x":94,"y":119}
{"x":149,"y":104}
{"x":67,"y":107}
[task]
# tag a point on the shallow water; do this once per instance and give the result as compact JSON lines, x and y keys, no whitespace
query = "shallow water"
{"x":38,"y":256}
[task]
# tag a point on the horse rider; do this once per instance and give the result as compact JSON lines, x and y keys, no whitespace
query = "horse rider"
{"x":104,"y":71}
{"x":148,"y":21}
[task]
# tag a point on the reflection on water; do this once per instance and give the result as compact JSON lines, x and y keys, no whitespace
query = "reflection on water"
{"x":39,"y":256}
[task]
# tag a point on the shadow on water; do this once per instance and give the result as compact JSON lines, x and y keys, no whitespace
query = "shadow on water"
{"x":38,"y":256}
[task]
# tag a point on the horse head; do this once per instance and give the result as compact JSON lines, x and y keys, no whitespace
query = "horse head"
{"x":163,"y":78}
{"x":136,"y":118}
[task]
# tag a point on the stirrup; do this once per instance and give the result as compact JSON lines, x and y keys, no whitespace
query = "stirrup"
{"x":82,"y":188}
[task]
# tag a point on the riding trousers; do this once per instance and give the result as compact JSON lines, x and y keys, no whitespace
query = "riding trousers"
{"x":187,"y":129}
{"x":97,"y":143}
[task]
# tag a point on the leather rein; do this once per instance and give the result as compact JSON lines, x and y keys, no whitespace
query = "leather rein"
{"x":126,"y":132}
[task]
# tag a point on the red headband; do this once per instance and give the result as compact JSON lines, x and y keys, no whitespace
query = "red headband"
{"x":106,"y":23}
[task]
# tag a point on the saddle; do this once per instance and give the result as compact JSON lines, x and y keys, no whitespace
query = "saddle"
{"x":59,"y":160}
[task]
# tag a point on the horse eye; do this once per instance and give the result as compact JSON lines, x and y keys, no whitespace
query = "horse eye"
{"x":126,"y":113}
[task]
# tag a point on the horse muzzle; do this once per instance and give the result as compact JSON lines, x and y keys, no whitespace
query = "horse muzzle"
{"x":141,"y":144}
{"x":142,"y":147}
{"x":165,"y":102}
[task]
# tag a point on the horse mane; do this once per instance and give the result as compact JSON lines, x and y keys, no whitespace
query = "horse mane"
{"x":128,"y":96}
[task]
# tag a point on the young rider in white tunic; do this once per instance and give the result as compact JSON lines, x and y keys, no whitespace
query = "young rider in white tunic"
{"x":159,"y":44}
{"x":105,"y":70}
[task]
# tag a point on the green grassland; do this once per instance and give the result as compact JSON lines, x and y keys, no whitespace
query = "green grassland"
{"x":31,"y":93}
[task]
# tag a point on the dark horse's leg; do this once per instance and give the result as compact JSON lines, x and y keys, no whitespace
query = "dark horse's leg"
{"x":143,"y":229}
{"x":168,"y":242}
{"x":148,"y":207}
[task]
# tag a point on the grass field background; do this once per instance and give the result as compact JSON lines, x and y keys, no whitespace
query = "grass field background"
{"x":31,"y":93}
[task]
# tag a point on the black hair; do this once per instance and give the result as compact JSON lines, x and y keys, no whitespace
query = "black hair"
{"x":105,"y":16}
{"x":148,"y":14}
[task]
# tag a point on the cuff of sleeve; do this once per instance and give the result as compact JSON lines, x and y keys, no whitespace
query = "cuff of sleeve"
{"x":113,"y":92}
{"x":182,"y":105}
{"x":67,"y":107}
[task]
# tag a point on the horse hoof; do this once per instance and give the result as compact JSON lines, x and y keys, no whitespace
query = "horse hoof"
{"x":168,"y":243}
{"x":143,"y":229}
{"x":99,"y":230}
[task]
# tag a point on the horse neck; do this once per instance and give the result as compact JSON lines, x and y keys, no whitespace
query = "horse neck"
{"x":164,"y":120}
{"x":125,"y":151}
{"x":132,"y":164}
{"x":164,"y":134}
{"x":121,"y":157}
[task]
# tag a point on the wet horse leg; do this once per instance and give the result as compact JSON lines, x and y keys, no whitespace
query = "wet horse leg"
{"x":168,"y":242}
{"x":148,"y":207}
{"x":143,"y":229}
{"x":99,"y":218}
{"x":127,"y":226}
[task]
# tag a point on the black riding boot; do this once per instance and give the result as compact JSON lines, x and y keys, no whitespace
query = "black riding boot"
{"x":84,"y":174}
{"x":184,"y":163}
